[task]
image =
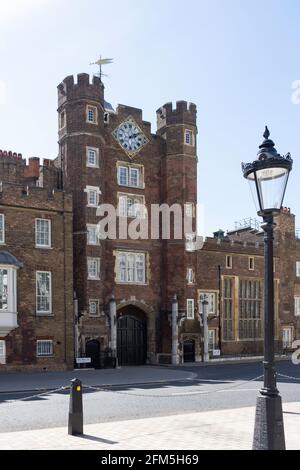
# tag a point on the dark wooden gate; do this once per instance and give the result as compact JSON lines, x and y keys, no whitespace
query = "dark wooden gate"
{"x":92,"y":350}
{"x":189,"y":350}
{"x":132,"y":340}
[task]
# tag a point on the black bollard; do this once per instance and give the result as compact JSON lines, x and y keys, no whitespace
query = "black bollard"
{"x":75,"y":411}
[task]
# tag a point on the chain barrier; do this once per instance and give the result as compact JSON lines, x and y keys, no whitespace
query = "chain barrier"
{"x":288,"y":377}
{"x":47,"y":392}
{"x":144,"y":395}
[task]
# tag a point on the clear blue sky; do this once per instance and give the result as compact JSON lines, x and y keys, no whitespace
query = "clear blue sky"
{"x":236,"y":59}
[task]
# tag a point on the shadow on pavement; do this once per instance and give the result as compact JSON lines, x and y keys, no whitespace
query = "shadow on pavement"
{"x":97,"y":439}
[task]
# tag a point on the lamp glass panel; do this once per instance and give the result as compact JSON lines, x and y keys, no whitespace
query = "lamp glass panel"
{"x":269,"y":191}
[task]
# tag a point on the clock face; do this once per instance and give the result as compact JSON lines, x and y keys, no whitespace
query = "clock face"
{"x":130,"y":137}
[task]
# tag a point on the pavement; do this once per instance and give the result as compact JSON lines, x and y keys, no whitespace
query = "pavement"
{"x":209,"y":430}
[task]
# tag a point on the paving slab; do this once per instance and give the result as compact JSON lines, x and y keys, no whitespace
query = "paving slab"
{"x":210,"y":430}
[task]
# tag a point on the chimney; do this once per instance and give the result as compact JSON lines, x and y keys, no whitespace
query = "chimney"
{"x":32,"y":170}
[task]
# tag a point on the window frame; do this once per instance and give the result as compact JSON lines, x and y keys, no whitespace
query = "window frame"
{"x":106,"y":117}
{"x":3,"y":355}
{"x":138,"y":205}
{"x":297,"y":268}
{"x":98,"y":261}
{"x":190,"y":133}
{"x":189,"y":209}
{"x":38,"y":245}
{"x":251,"y":263}
{"x":129,"y":268}
{"x":49,"y":312}
{"x":214,"y":331}
{"x":291,"y":329}
{"x":130,"y":168}
{"x":190,"y":316}
{"x":2,"y":231}
{"x":297,"y":299}
{"x":190,"y":279}
{"x":97,"y":303}
{"x":50,"y":342}
{"x":62,"y":113}
{"x":96,"y":152}
{"x":88,"y":241}
{"x":89,"y":108}
{"x":230,"y":264}
{"x":210,"y":294}
{"x":92,"y":189}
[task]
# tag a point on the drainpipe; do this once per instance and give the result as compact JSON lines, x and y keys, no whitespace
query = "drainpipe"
{"x":113,"y":328}
{"x":175,"y":358}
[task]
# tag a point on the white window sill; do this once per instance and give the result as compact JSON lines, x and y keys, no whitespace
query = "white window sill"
{"x":45,"y":357}
{"x":44,"y":247}
{"x":93,"y":244}
{"x":94,"y":207}
{"x":44,"y":314}
{"x":93,"y":279}
{"x":92,"y":166}
{"x":130,"y":186}
{"x":123,"y":283}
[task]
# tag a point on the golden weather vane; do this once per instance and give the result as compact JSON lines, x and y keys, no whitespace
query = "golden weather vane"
{"x":101,"y":62}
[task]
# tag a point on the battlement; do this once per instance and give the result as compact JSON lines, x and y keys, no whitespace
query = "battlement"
{"x":85,"y":88}
{"x":22,"y":194}
{"x":11,"y":156}
{"x":183,"y":113}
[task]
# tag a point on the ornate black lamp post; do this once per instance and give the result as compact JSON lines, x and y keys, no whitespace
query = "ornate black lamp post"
{"x":268,"y":177}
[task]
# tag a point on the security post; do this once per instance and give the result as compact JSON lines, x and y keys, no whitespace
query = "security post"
{"x":76,"y":410}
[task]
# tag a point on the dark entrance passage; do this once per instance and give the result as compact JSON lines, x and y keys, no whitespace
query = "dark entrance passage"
{"x":189,"y":350}
{"x":92,"y":350}
{"x":132,"y":339}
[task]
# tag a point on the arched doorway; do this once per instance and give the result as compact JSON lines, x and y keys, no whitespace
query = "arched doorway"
{"x":92,"y":350}
{"x":189,"y":350}
{"x":132,"y":336}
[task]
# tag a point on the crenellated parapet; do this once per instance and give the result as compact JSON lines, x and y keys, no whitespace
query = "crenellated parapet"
{"x":11,"y":156}
{"x":183,"y":113}
{"x":86,"y":88}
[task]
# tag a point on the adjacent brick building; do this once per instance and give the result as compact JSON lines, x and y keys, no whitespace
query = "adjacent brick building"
{"x":231,"y":272}
{"x":36,"y":269}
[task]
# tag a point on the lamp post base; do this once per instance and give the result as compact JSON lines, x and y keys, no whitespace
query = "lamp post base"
{"x":269,"y":427}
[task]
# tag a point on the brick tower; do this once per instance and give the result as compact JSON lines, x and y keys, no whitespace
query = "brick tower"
{"x":179,"y":186}
{"x":81,"y":125}
{"x":112,"y":157}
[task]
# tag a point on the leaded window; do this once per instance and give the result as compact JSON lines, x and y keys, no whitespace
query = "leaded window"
{"x":131,"y":268}
{"x":2,"y":229}
{"x":3,"y":290}
{"x":228,"y":309}
{"x":93,"y":268}
{"x":250,"y":309}
{"x":43,"y":292}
